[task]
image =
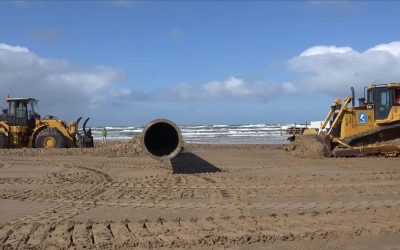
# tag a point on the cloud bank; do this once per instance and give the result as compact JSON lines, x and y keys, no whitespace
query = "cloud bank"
{"x":57,"y":83}
{"x":332,"y":69}
{"x":237,"y":88}
{"x":67,"y":89}
{"x":323,"y":69}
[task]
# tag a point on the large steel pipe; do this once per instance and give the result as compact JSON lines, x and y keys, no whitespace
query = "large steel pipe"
{"x":162,"y":139}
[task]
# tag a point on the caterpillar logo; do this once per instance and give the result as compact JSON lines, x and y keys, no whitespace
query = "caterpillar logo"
{"x":362,"y":118}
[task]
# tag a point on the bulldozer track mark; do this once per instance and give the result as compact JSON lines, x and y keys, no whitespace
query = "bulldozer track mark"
{"x":339,"y":205}
{"x":233,"y":186}
{"x":142,"y":183}
{"x":225,"y":193}
{"x":114,"y":191}
{"x":210,"y":231}
{"x":208,"y":179}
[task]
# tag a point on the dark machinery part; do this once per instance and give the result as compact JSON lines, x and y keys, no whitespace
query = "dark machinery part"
{"x":85,"y":140}
{"x":3,"y":141}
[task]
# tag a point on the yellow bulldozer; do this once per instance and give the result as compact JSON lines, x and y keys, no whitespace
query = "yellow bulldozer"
{"x":22,"y":126}
{"x":371,"y":128}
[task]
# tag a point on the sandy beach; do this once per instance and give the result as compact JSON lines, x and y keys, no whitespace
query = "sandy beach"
{"x":219,"y":196}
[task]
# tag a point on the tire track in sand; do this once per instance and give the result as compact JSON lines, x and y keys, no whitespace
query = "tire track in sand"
{"x":65,"y":209}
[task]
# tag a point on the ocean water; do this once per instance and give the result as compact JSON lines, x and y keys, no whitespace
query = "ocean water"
{"x":215,"y":134}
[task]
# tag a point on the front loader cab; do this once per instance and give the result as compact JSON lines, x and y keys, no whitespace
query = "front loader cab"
{"x":383,"y":97}
{"x":22,"y":112}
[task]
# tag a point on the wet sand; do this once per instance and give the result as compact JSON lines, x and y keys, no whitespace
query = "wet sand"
{"x":220,"y":196}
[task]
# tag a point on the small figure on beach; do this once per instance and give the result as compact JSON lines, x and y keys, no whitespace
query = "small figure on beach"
{"x":104,"y":135}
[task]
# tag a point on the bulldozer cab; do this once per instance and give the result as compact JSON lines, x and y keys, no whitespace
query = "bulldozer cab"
{"x":383,"y":97}
{"x":21,"y":112}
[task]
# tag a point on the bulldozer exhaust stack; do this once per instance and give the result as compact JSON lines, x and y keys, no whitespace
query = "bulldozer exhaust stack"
{"x":162,"y":139}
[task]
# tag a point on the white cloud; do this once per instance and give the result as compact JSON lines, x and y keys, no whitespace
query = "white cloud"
{"x":321,"y":50}
{"x":392,"y":48}
{"x":88,"y":81}
{"x":67,"y":90}
{"x":123,"y":95}
{"x":333,"y":70}
{"x":61,"y":87}
{"x":289,"y":87}
{"x":326,"y":69}
{"x":13,"y":48}
{"x":231,"y":88}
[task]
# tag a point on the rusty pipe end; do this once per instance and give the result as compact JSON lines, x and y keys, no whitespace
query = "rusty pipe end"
{"x":162,"y":139}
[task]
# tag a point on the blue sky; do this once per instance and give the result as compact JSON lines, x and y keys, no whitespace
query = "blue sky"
{"x":128,"y":62}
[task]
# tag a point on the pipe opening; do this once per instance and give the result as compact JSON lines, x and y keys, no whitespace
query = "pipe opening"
{"x":161,"y":139}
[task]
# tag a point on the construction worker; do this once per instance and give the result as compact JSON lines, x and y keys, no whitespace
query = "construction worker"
{"x":104,"y":135}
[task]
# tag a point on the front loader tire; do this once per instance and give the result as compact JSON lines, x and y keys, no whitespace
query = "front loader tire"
{"x":3,"y":141}
{"x":49,"y":138}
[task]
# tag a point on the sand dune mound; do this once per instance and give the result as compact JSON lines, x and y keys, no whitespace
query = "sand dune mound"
{"x":129,"y":148}
{"x":111,"y":149}
{"x":306,"y":146}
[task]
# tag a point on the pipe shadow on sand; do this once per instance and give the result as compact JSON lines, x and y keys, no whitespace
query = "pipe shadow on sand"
{"x":189,"y":163}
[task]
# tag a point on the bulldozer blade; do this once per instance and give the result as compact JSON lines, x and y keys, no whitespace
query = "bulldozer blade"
{"x":328,"y":146}
{"x":321,"y":145}
{"x":326,"y":142}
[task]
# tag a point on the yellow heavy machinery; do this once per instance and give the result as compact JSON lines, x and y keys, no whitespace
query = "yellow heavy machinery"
{"x":22,"y":126}
{"x":371,"y":128}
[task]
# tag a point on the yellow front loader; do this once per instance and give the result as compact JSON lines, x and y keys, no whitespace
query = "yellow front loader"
{"x":22,"y":126}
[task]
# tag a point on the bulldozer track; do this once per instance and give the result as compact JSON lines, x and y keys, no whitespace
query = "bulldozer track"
{"x":349,"y":139}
